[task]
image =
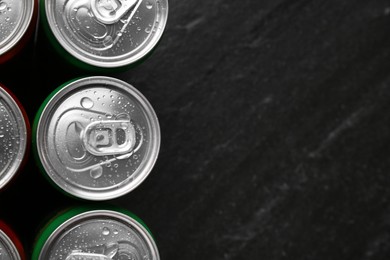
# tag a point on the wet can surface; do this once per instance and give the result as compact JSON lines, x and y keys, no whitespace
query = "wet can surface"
{"x":104,"y":34}
{"x":14,"y":136}
{"x":97,"y":138}
{"x":10,"y":246}
{"x":18,"y":20}
{"x":96,"y":234}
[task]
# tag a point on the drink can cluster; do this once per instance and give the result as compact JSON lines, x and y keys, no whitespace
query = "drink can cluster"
{"x":18,"y":19}
{"x":11,"y":247}
{"x":14,"y":136}
{"x":96,"y":138}
{"x":97,"y":34}
{"x":98,"y":234}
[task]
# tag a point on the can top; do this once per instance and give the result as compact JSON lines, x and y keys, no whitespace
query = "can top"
{"x":100,"y":235}
{"x":107,"y":34}
{"x":8,"y":250}
{"x":13,"y":137}
{"x":15,"y":18}
{"x":97,"y":138}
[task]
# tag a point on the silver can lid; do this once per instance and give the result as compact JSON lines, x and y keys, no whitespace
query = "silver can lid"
{"x":107,"y":33}
{"x":15,"y":18}
{"x":13,"y":137}
{"x":8,"y":249}
{"x":98,"y":138}
{"x":100,"y":235}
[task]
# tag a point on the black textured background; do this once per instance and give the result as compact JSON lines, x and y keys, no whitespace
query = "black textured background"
{"x":275,"y":127}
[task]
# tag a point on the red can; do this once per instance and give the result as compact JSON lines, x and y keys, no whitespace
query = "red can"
{"x":14,"y":136}
{"x":18,"y":21}
{"x":10,"y":245}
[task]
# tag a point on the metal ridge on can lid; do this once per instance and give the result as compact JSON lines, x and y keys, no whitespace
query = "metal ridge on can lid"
{"x":105,"y":34}
{"x":14,"y":136}
{"x":18,"y":20}
{"x":10,"y":246}
{"x":96,"y":138}
{"x":100,"y":234}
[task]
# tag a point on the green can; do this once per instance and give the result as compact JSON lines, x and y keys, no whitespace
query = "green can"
{"x":96,"y":138}
{"x":95,"y":234}
{"x":104,"y":35}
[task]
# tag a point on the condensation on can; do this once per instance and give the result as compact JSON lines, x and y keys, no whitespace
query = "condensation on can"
{"x":105,"y":34}
{"x":96,"y":138}
{"x":11,"y":247}
{"x":98,"y":234}
{"x":14,"y":136}
{"x":18,"y":20}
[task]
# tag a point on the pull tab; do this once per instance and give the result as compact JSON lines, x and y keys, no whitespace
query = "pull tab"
{"x":109,"y":137}
{"x":110,"y":11}
{"x":78,"y":255}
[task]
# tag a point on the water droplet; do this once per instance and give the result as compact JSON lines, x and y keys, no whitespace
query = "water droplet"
{"x":149,"y":5}
{"x":3,"y":6}
{"x":86,"y":102}
{"x":96,"y":172}
{"x":106,"y":231}
{"x":147,"y":30}
{"x":7,"y":19}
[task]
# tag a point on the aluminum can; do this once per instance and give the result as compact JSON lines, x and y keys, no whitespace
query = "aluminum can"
{"x":11,"y":247}
{"x":96,"y":138}
{"x":14,"y":136}
{"x":95,"y":234}
{"x":18,"y":20}
{"x":101,"y":34}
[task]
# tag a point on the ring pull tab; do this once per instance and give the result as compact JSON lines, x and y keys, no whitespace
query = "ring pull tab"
{"x":78,"y":255}
{"x":109,"y":137}
{"x":111,"y":11}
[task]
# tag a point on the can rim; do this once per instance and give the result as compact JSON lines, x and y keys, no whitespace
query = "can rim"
{"x":91,"y":214}
{"x":10,"y":245}
{"x":45,"y":115}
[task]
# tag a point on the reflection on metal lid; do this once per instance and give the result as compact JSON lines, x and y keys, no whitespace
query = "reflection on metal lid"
{"x":98,"y":138}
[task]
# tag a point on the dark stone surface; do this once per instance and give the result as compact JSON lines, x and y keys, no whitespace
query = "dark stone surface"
{"x":275,"y":131}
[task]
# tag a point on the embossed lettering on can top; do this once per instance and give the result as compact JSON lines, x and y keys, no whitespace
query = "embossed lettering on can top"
{"x":98,"y":235}
{"x":107,"y":33}
{"x":98,"y":138}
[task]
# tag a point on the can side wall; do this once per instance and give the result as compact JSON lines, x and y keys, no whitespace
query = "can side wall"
{"x":14,"y":238}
